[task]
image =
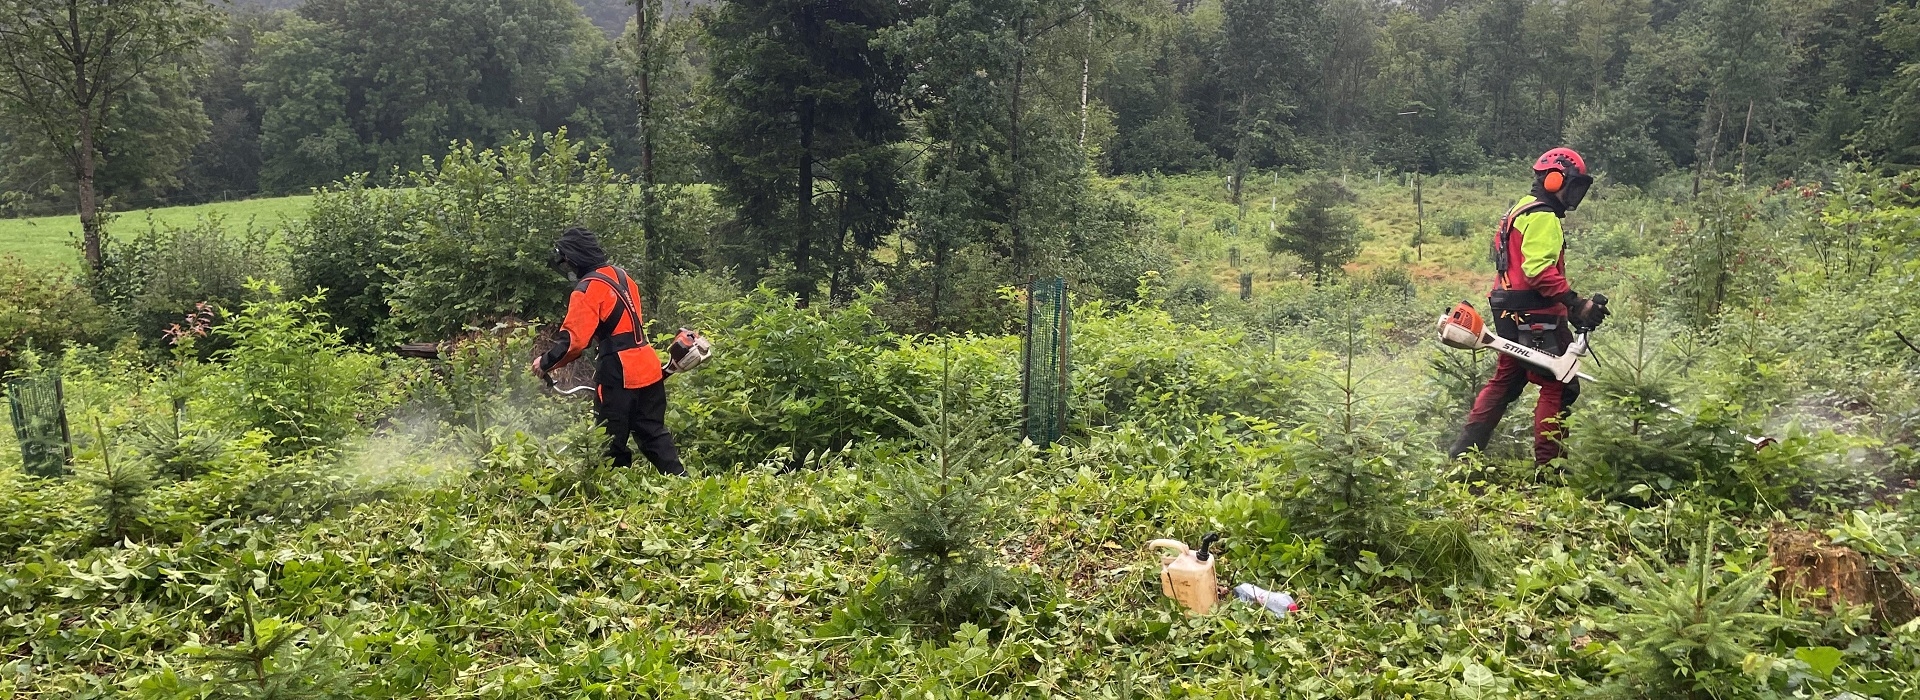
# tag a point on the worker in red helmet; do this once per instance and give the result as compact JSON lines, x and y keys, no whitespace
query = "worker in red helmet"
{"x":1533,"y":304}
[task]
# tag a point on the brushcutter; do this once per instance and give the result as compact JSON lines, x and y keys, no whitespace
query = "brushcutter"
{"x":688,"y":350}
{"x":1463,"y":328}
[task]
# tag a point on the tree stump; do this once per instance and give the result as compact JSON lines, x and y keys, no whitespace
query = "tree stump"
{"x":1806,"y":563}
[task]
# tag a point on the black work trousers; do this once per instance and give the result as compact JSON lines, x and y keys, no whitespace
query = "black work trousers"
{"x":640,"y":414}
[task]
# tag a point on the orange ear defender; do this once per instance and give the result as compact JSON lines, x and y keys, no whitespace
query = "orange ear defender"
{"x":1555,"y":181}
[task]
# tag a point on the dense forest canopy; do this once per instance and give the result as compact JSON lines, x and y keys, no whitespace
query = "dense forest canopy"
{"x":286,"y":97}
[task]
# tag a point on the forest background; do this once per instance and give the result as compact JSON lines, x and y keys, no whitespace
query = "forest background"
{"x":972,"y":133}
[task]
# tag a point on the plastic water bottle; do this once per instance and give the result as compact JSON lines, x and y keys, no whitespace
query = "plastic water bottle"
{"x":1277,"y":601}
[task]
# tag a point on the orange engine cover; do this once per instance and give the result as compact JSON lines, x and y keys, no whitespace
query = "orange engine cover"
{"x":1464,"y":316}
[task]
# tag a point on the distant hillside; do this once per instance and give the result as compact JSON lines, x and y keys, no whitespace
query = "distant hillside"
{"x":609,"y":15}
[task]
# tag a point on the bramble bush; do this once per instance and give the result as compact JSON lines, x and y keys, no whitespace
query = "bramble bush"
{"x":165,"y":272}
{"x":44,"y":310}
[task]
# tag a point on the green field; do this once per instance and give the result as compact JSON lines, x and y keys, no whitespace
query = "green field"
{"x":51,"y":240}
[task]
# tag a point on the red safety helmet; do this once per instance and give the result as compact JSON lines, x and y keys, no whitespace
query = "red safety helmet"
{"x":1563,"y":162}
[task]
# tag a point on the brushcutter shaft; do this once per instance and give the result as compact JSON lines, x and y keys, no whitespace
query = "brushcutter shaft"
{"x":1462,"y":327}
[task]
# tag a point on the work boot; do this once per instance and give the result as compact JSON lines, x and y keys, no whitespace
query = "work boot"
{"x":1474,"y":437}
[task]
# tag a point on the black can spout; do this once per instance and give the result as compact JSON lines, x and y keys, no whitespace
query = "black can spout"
{"x":1205,"y":543}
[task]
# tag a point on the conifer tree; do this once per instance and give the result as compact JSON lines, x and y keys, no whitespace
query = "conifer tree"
{"x":1320,"y":230}
{"x":804,"y":107}
{"x":1005,"y":169}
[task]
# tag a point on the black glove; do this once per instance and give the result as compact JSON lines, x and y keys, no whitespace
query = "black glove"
{"x":1585,"y":314}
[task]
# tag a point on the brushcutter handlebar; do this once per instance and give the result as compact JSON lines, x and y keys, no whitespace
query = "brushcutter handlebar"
{"x":1589,"y":317}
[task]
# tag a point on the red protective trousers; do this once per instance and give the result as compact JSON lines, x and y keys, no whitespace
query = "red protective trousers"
{"x":1510,"y":378}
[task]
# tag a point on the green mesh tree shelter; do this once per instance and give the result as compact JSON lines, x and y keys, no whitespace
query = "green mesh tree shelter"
{"x":1043,"y":361}
{"x":40,"y":423}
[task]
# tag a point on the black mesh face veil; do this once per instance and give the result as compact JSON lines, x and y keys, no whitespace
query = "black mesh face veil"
{"x":579,"y":249}
{"x":1575,"y":190}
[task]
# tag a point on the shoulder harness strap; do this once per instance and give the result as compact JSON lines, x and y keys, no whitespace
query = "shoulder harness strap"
{"x":619,"y":283}
{"x":1502,"y":237}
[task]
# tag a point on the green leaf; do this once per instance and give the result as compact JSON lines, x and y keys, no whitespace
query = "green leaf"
{"x":1822,"y":660}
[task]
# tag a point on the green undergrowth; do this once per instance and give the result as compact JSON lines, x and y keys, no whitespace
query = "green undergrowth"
{"x":760,"y":584}
{"x":261,"y":508}
{"x":475,"y":544}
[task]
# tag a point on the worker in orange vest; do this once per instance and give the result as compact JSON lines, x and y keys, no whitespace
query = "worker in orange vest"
{"x":630,"y":397}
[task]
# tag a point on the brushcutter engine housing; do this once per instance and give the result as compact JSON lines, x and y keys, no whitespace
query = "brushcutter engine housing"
{"x":687,"y":351}
{"x":1463,"y":328}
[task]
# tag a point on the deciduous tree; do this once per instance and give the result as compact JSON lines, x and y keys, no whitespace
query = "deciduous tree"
{"x":65,"y":64}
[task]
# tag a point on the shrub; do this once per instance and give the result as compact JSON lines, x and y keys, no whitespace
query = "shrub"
{"x":247,"y":482}
{"x":1139,"y":367}
{"x":337,"y":253}
{"x":289,"y":373}
{"x":1615,"y":131}
{"x":1389,"y":281}
{"x":786,"y":382}
{"x":1188,"y":294}
{"x":683,"y":234}
{"x":783,"y":380}
{"x":1713,"y":257}
{"x":483,"y":225}
{"x":467,"y":242}
{"x":160,"y":276}
{"x":1111,"y":245}
{"x":44,"y":310}
{"x":1386,"y":321}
